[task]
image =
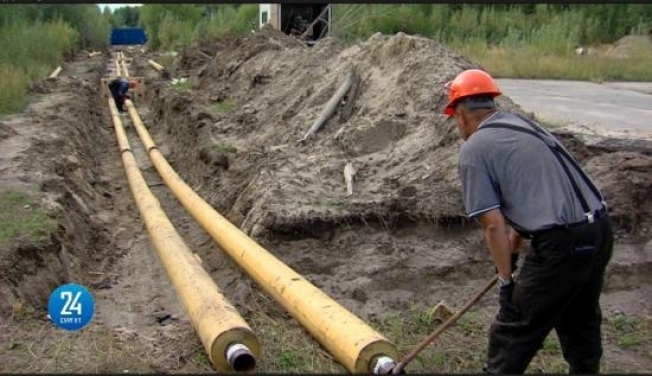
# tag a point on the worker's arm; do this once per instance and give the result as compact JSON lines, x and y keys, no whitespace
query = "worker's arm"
{"x":515,"y":241}
{"x":497,"y":238}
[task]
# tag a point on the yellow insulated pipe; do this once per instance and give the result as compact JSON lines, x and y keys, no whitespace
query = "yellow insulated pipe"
{"x":94,"y":53}
{"x":118,"y":65}
{"x":352,"y":342}
{"x":228,"y":340}
{"x":118,"y":71}
{"x":56,"y":72}
{"x":125,"y":71}
{"x":155,"y":65}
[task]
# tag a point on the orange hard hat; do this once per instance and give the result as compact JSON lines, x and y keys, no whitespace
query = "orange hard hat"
{"x":469,"y":83}
{"x":132,"y":84}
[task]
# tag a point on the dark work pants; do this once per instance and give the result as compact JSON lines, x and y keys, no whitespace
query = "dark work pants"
{"x":558,"y":287}
{"x":119,"y":101}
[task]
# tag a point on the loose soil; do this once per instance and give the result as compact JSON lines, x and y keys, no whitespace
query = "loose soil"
{"x":628,"y":45}
{"x":232,"y":134}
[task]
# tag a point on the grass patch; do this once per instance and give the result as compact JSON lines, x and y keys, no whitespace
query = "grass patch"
{"x":462,"y":348}
{"x":527,"y":61}
{"x":287,"y":348}
{"x":226,"y":147}
{"x":31,"y":50}
{"x":32,"y":345}
{"x":22,"y":215}
{"x":631,"y":333}
{"x":166,"y":60}
{"x":15,"y":84}
{"x":202,"y":358}
{"x":223,"y":107}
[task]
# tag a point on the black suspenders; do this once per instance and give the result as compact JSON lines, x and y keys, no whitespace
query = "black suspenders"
{"x":558,"y":151}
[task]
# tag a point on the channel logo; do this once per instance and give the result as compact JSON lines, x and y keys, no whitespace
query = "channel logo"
{"x":71,"y":307}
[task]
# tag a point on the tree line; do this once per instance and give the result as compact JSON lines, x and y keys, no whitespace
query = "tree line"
{"x":562,"y":25}
{"x":36,"y":38}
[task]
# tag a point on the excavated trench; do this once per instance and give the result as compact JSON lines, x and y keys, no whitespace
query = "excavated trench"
{"x":235,"y":140}
{"x":62,"y":164}
{"x":400,"y":239}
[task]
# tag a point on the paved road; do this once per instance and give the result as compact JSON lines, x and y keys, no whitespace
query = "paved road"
{"x":620,"y":109}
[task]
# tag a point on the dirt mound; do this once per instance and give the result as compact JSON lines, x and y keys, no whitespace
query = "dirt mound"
{"x":242,"y":48}
{"x":6,"y":131}
{"x":234,"y":135}
{"x":629,"y":44}
{"x":269,"y":89}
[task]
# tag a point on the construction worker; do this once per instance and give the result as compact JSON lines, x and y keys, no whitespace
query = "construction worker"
{"x":515,"y":173}
{"x":297,"y":25}
{"x":119,"y":88}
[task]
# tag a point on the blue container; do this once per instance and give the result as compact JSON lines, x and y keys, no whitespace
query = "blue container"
{"x":128,"y":36}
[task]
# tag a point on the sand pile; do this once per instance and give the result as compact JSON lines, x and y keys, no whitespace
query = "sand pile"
{"x":270,"y":90}
{"x":628,"y":45}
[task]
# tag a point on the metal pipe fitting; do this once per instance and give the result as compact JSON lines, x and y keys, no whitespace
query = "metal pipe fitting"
{"x":240,"y":358}
{"x":383,"y":365}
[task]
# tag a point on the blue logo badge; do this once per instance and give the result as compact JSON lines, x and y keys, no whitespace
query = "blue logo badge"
{"x":71,"y":307}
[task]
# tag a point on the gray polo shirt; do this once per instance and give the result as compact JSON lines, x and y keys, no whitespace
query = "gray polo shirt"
{"x":517,"y":173}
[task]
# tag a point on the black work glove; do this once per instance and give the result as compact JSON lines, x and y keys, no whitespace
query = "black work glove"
{"x":508,"y":311}
{"x":505,"y":294}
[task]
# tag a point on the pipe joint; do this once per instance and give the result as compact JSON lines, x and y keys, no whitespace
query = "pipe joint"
{"x":240,"y":358}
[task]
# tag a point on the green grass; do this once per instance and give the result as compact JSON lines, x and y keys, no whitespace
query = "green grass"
{"x":226,"y":147}
{"x":631,"y":332}
{"x":462,"y":348}
{"x":30,"y":52}
{"x":286,"y":346}
{"x":202,"y":358}
{"x":223,"y":107}
{"x":523,"y":61}
{"x":166,"y":60}
{"x":21,"y":215}
{"x":15,"y":83}
{"x":32,"y":345}
{"x":459,"y":349}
